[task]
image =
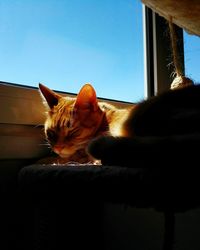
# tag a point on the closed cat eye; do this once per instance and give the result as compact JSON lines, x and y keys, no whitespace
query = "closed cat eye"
{"x":51,"y":135}
{"x":74,"y":132}
{"x":68,"y":124}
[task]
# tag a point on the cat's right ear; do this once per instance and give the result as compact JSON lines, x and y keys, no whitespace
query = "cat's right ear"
{"x":49,"y":95}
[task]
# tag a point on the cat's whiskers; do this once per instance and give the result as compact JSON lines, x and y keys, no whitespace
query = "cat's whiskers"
{"x":39,"y":126}
{"x":46,"y":145}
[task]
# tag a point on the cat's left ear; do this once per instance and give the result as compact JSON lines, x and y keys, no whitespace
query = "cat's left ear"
{"x":86,"y":98}
{"x":49,"y":95}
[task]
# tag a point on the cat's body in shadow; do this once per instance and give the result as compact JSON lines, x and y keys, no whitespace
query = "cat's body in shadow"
{"x":159,"y":129}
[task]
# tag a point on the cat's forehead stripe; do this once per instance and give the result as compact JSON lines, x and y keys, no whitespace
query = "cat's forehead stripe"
{"x":62,"y":112}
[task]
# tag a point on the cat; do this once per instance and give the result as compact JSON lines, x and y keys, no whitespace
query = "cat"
{"x":166,"y":127}
{"x":72,"y":122}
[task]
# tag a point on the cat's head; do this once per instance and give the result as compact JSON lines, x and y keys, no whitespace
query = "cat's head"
{"x":71,"y":122}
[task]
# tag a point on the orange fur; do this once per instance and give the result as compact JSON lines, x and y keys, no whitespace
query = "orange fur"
{"x":71,"y":123}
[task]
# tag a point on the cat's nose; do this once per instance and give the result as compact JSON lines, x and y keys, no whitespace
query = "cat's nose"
{"x":58,"y":148}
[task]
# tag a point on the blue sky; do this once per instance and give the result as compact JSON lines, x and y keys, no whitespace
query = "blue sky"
{"x":66,"y":43}
{"x":192,"y":56}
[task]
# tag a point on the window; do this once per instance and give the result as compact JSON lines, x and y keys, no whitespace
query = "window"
{"x":65,"y":44}
{"x":192,"y":55}
{"x":112,"y":60}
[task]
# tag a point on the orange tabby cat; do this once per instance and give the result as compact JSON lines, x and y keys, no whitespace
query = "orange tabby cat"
{"x":71,"y":123}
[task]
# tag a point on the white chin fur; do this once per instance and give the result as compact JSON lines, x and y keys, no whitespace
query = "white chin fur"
{"x":64,"y":155}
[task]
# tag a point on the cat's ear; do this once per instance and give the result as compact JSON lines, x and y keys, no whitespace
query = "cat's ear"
{"x":49,"y":95}
{"x":86,"y":98}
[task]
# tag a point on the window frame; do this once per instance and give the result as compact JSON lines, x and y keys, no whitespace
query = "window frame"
{"x":158,"y":54}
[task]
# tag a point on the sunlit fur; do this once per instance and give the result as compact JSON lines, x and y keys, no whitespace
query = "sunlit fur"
{"x":162,"y":127}
{"x":115,"y":117}
{"x":69,"y":126}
